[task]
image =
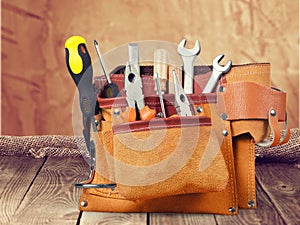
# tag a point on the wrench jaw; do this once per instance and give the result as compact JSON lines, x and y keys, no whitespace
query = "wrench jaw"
{"x":218,"y":67}
{"x":188,"y":52}
{"x":188,"y":56}
{"x":217,"y":72}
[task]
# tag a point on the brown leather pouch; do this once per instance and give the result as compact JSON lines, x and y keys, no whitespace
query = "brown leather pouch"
{"x":204,"y":163}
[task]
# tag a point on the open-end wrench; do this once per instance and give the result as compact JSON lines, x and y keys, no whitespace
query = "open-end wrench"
{"x":188,"y":56}
{"x":217,"y":72}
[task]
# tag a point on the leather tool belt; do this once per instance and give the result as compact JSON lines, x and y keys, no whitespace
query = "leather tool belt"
{"x":203,"y":163}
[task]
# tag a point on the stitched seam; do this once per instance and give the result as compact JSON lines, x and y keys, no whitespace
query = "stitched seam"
{"x":253,"y":171}
{"x":230,"y":169}
{"x":247,"y":74}
{"x":253,"y":67}
{"x":163,"y":126}
{"x":248,"y":175}
{"x":251,"y":185}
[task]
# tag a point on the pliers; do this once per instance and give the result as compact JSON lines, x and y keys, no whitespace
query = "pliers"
{"x":134,"y":94}
{"x":182,"y":103}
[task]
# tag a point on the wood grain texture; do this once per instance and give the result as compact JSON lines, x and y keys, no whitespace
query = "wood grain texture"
{"x":265,"y":213}
{"x":37,"y":92}
{"x":181,"y":219}
{"x":282,"y":184}
{"x":91,"y":218}
{"x":53,"y":199}
{"x":16,"y":176}
{"x":34,"y":192}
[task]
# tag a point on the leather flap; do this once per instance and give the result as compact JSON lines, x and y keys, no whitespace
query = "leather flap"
{"x":249,"y":100}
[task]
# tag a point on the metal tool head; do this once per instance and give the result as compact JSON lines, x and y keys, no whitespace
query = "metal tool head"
{"x":188,"y":52}
{"x":218,"y":67}
{"x":182,"y":103}
{"x":133,"y":85}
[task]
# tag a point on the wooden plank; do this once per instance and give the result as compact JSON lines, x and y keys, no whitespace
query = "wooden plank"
{"x":17,"y":174}
{"x":181,"y":219}
{"x":261,"y":215}
{"x":282,"y":183}
{"x":113,"y":218}
{"x":53,"y":197}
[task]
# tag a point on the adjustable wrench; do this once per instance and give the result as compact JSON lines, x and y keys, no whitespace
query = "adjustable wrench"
{"x":188,"y":56}
{"x":217,"y":72}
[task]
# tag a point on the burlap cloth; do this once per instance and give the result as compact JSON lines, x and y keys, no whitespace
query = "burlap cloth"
{"x":69,"y":146}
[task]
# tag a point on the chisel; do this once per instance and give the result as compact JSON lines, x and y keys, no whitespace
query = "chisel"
{"x":161,"y":67}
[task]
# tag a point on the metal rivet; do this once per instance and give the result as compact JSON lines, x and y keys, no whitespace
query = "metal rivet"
{"x":221,"y":89}
{"x":84,"y":203}
{"x":224,"y":116}
{"x":225,"y":133}
{"x":117,"y":112}
{"x":160,"y":115}
{"x":199,"y":109}
{"x":251,"y":204}
{"x":273,"y":112}
{"x":231,"y":209}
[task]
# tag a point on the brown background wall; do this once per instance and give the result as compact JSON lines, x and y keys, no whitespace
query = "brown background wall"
{"x":37,"y":92}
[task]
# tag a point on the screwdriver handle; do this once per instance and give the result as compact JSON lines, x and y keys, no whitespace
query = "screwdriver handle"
{"x":161,"y":67}
{"x":80,"y":68}
{"x":147,"y":114}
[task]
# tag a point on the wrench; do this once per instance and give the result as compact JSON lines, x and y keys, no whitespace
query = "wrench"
{"x":188,"y":56}
{"x":217,"y":72}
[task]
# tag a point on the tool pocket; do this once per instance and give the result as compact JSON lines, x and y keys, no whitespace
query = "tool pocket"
{"x":163,"y":156}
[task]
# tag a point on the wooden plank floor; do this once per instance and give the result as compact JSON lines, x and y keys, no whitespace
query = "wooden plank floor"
{"x":41,"y":191}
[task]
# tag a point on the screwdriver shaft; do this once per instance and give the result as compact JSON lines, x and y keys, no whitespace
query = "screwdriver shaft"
{"x":102,"y":62}
{"x":160,"y":95}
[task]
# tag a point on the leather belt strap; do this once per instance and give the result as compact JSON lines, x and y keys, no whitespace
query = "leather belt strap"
{"x":249,"y":100}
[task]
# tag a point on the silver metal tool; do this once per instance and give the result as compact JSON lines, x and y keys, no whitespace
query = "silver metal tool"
{"x":159,"y":92}
{"x":102,"y":62}
{"x":111,"y":89}
{"x":188,"y":57}
{"x":134,"y":88}
{"x":217,"y":72}
{"x":182,"y":103}
{"x":132,"y":80}
{"x":134,"y":56}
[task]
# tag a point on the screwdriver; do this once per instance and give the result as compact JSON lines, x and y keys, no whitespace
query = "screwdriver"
{"x":159,"y":92}
{"x":80,"y":68}
{"x":110,"y":90}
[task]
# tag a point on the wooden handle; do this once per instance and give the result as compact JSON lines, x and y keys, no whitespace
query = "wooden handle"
{"x":161,"y":67}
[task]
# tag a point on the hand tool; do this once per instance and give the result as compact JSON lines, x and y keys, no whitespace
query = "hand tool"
{"x":110,"y":90}
{"x":160,"y":66}
{"x":217,"y":72}
{"x":134,"y":95}
{"x":182,"y":103}
{"x":80,"y":68}
{"x":133,"y":87}
{"x":171,"y":77}
{"x":134,"y":56}
{"x":188,"y":56}
{"x":159,"y":92}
